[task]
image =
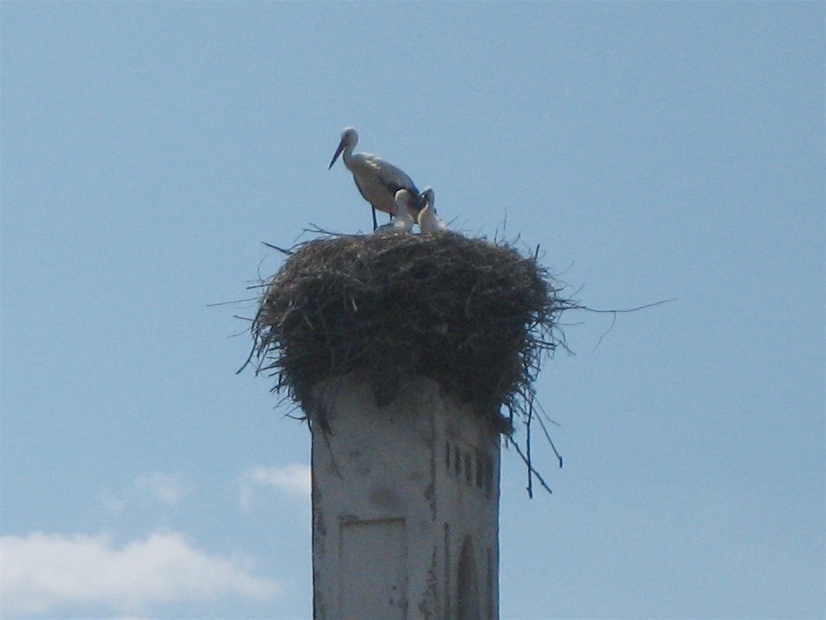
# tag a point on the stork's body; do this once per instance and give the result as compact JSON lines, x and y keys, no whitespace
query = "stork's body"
{"x":377,"y":180}
{"x":428,"y":220}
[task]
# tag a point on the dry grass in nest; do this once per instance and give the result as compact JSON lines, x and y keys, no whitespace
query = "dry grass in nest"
{"x":473,"y":315}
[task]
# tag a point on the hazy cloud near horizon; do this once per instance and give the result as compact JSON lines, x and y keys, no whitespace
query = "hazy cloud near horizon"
{"x":51,"y":574}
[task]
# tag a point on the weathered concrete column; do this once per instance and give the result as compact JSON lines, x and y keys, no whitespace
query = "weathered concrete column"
{"x":405,"y":506}
{"x":403,"y":350}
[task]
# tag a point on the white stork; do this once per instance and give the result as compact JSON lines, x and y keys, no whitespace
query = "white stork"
{"x":428,"y":220}
{"x":405,"y":204}
{"x":402,"y":220}
{"x":377,"y":180}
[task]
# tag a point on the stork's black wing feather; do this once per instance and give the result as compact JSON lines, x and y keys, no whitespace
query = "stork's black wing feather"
{"x":418,"y":200}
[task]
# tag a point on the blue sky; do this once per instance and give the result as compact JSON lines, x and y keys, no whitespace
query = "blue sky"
{"x":652,"y":150}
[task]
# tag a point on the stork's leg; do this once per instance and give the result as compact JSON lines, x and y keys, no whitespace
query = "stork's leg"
{"x":375,"y":223}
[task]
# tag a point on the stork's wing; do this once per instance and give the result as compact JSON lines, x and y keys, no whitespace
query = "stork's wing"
{"x":393,"y":186}
{"x":392,"y":179}
{"x":362,"y":190}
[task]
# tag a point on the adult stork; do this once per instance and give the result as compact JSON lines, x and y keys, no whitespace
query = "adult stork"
{"x":377,"y":180}
{"x":428,"y":220}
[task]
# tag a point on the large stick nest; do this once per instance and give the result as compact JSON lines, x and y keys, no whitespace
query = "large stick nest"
{"x":474,"y":315}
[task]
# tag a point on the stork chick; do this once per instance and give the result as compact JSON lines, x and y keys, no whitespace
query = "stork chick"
{"x":428,"y":220}
{"x":402,"y":220}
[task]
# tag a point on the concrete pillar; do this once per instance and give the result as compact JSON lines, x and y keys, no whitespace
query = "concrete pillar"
{"x":405,"y":505}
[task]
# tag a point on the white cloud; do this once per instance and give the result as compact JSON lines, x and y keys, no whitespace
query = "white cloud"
{"x":42,"y":572}
{"x":155,"y":490}
{"x":166,"y":489}
{"x":112,"y":502}
{"x":293,"y":479}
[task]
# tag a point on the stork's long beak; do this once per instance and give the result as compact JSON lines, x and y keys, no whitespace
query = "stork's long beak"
{"x":337,"y":153}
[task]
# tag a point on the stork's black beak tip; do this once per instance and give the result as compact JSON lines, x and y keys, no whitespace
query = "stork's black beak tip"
{"x":338,"y":152}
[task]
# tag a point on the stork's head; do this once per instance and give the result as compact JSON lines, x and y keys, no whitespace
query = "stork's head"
{"x":403,"y":201}
{"x":349,"y":138}
{"x":428,"y":220}
{"x":428,"y":198}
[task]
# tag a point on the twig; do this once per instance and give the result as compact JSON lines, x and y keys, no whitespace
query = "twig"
{"x":525,"y":460}
{"x":624,"y":310}
{"x":618,"y":311}
{"x":528,"y":445}
{"x":317,"y":229}
{"x":228,"y":303}
{"x":550,"y":441}
{"x":275,"y":247}
{"x":248,"y":360}
{"x":606,"y":332}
